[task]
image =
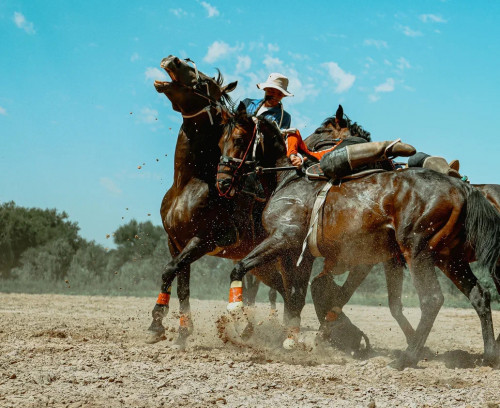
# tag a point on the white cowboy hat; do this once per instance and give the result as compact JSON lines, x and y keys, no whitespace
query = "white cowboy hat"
{"x":276,"y":81}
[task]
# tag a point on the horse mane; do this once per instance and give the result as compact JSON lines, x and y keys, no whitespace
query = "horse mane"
{"x":354,"y":128}
{"x":225,"y":97}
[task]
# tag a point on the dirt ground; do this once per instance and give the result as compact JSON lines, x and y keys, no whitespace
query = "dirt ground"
{"x":78,"y":351}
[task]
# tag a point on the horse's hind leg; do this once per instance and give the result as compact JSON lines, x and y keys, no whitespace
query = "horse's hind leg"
{"x":296,"y":281}
{"x":431,"y":300}
{"x":250,"y":288}
{"x":394,"y":279}
{"x":459,"y":271}
{"x":185,"y":321}
{"x":273,"y":294}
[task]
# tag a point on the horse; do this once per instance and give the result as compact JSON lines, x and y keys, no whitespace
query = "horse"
{"x":194,"y":217}
{"x":327,"y":294}
{"x":431,"y":219}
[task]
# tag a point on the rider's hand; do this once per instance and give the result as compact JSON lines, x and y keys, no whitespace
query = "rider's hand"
{"x":296,"y":161}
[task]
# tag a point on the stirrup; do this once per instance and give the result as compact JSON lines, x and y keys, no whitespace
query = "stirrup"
{"x":384,"y":156}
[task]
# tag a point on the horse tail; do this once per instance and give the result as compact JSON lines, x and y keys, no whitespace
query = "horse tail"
{"x":482,"y":224}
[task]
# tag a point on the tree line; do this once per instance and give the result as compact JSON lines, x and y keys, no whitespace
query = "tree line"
{"x":41,"y":251}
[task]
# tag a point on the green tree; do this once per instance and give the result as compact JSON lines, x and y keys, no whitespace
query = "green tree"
{"x":22,"y":228}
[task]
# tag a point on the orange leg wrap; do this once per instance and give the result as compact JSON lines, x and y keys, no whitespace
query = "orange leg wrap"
{"x":184,"y":320}
{"x":235,"y":295}
{"x":163,"y":299}
{"x":331,"y":316}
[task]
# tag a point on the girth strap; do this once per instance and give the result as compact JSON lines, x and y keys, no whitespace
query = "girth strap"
{"x":313,"y":225}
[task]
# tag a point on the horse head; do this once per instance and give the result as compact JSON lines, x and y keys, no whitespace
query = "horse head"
{"x":246,"y":143}
{"x":191,"y":91}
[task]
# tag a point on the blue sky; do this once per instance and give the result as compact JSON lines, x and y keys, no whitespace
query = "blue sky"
{"x":79,"y":113}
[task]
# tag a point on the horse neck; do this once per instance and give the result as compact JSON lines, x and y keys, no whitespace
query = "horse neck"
{"x":197,"y":151}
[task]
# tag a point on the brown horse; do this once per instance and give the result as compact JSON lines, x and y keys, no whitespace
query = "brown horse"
{"x":196,"y":219}
{"x":430,"y":218}
{"x":328,"y":295}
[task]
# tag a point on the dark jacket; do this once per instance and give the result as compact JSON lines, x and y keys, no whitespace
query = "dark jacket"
{"x":276,"y":113}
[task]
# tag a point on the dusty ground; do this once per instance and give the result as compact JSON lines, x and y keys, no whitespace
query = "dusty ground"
{"x":67,"y":351}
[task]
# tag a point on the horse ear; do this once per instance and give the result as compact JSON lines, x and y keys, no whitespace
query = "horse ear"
{"x":340,"y":113}
{"x":230,"y":87}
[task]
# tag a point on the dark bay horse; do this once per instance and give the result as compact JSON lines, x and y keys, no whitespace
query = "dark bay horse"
{"x":431,"y":219}
{"x":196,"y":219}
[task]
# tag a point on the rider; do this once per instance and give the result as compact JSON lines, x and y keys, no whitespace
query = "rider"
{"x":270,"y":106}
{"x":348,"y":153}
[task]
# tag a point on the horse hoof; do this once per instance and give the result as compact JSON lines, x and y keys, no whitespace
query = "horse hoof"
{"x":289,"y":344}
{"x":179,"y":346}
{"x":247,"y":332}
{"x":153,"y":337}
{"x":234,"y":306}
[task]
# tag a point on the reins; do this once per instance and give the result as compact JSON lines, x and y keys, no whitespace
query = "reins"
{"x":228,"y":162}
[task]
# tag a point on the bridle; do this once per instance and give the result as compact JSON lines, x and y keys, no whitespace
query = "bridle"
{"x":197,"y":89}
{"x":233,"y":166}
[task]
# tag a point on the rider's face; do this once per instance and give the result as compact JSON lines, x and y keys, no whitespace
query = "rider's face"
{"x":273,"y":97}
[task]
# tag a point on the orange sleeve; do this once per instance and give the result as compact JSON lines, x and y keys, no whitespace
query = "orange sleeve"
{"x":295,"y":143}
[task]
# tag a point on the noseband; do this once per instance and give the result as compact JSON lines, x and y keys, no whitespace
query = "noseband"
{"x":197,"y":91}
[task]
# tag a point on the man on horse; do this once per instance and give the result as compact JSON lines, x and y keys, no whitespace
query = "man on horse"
{"x":270,"y":106}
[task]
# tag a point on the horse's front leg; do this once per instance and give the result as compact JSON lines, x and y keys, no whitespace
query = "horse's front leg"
{"x":195,"y":249}
{"x":269,"y":250}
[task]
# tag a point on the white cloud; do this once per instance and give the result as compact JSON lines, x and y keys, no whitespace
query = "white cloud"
{"x":301,"y":91}
{"x":218,"y":50}
{"x":373,"y":98}
{"x":3,"y":111}
{"x":403,"y":64}
{"x":408,"y":31}
{"x":134,"y":57}
{"x":148,"y":115}
{"x":342,"y":79}
{"x":387,"y":86}
{"x":375,"y":43}
{"x":273,"y":63}
{"x":433,"y":18}
{"x":273,"y":47}
{"x":212,"y":11}
{"x":155,"y":73}
{"x":244,"y":63}
{"x":298,"y":57}
{"x":22,"y":23}
{"x":110,"y":186}
{"x":178,"y":12}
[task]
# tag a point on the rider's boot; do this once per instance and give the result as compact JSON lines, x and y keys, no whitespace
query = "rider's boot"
{"x":440,"y":165}
{"x":365,"y":153}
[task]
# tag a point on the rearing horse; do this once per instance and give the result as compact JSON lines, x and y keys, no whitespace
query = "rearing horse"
{"x":432,"y":219}
{"x":196,"y":219}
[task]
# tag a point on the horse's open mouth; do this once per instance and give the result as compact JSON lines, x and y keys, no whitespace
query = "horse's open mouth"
{"x":171,"y":74}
